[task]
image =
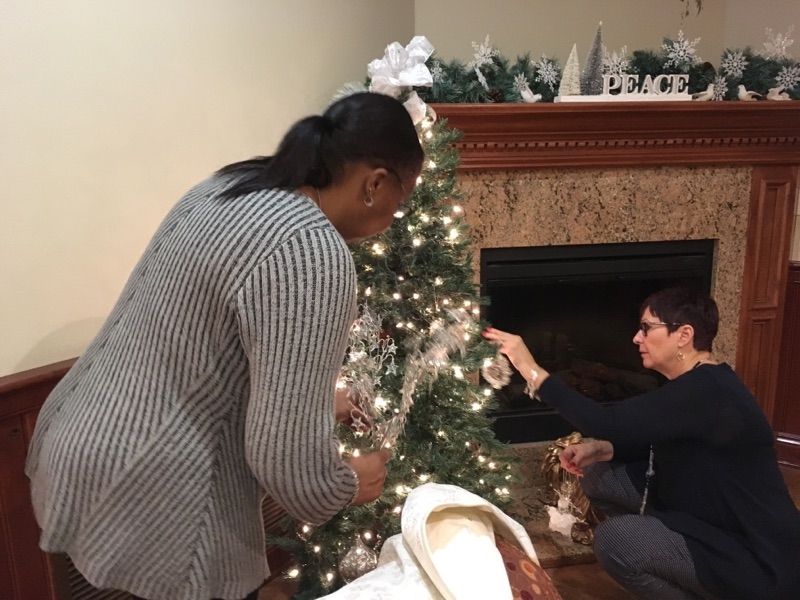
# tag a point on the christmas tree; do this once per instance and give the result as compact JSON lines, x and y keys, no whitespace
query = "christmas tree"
{"x":418,"y":279}
{"x":592,"y":75}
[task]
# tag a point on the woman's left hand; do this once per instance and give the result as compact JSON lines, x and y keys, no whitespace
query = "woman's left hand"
{"x":348,"y":411}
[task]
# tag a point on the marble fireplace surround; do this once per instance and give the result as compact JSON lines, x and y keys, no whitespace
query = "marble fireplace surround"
{"x":553,"y":174}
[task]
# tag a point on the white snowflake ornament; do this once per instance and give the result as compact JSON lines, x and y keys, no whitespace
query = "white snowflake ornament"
{"x":681,"y":53}
{"x":520,"y":82}
{"x":733,"y":63}
{"x":720,"y":88}
{"x":615,"y":64}
{"x":547,"y":72}
{"x":777,"y":46}
{"x":437,"y":72}
{"x":788,"y":77}
{"x":484,"y":53}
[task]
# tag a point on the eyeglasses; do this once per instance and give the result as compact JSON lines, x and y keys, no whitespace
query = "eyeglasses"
{"x":646,"y":326}
{"x":407,"y":197}
{"x":399,"y":180}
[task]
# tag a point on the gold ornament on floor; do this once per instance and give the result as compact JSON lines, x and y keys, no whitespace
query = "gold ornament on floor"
{"x":563,"y":484}
{"x":358,"y":560}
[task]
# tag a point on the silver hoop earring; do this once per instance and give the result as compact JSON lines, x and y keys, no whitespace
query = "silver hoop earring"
{"x":370,"y":201}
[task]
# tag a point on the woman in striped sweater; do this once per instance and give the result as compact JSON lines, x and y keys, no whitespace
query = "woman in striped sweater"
{"x":212,"y":380}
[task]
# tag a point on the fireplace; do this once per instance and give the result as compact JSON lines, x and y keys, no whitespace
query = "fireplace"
{"x":536,"y":175}
{"x":577,"y":308}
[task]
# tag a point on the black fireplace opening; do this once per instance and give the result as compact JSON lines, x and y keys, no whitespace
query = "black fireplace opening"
{"x":577,"y":308}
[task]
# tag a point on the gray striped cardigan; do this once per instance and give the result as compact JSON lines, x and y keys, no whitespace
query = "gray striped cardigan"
{"x":211,"y":381}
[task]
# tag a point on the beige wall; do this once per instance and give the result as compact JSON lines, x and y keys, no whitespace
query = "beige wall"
{"x":516,"y":27}
{"x":110,"y":110}
{"x":746,"y":20}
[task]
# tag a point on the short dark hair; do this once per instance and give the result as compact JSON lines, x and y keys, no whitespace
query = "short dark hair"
{"x":366,"y":127}
{"x":682,"y":306}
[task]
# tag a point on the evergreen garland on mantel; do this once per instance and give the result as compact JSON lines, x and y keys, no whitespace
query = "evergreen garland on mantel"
{"x":504,"y":80}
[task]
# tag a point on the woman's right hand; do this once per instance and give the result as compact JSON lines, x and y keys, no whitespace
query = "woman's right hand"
{"x":515,"y":349}
{"x":576,"y":456}
{"x":371,"y":471}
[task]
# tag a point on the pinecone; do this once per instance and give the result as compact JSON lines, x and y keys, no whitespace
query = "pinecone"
{"x":496,"y":95}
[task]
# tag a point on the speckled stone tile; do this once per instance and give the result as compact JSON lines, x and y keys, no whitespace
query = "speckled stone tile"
{"x":597,"y":206}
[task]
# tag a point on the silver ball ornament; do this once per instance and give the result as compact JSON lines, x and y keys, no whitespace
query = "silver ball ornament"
{"x":358,"y":560}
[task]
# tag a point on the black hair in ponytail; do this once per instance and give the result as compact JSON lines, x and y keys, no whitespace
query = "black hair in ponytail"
{"x":361,"y":128}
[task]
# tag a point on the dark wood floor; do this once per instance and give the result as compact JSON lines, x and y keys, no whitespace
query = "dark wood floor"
{"x":579,"y":582}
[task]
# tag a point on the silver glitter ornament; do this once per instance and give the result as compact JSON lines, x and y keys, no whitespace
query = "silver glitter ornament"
{"x":359,"y":560}
{"x":497,"y":371}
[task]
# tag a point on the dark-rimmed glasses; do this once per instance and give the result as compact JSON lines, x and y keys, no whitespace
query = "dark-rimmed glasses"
{"x":646,"y":326}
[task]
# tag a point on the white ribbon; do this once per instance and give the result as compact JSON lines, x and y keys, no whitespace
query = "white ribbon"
{"x":416,"y":108}
{"x":401,"y":67}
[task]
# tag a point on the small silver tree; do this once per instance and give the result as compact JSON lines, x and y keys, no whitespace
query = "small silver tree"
{"x":592,"y":75}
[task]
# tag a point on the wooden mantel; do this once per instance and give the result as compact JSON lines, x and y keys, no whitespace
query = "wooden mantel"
{"x":762,"y":135}
{"x":632,"y":134}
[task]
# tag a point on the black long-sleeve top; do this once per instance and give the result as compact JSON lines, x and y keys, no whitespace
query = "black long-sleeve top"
{"x":717,"y":480}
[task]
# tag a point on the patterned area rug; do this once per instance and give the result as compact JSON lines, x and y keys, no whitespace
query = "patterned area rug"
{"x":530,"y":508}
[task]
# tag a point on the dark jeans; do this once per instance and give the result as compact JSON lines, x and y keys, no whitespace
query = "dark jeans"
{"x":251,"y":596}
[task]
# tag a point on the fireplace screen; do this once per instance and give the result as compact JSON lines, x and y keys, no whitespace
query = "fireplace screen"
{"x":577,"y":308}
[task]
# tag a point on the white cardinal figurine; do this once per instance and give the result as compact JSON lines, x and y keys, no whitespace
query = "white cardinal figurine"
{"x":708,"y":94}
{"x":777,"y":93}
{"x":746,"y":95}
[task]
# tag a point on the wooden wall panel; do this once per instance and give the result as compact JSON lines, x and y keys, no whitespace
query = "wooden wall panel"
{"x":787,"y":401}
{"x":769,"y":233}
{"x":27,"y":573}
